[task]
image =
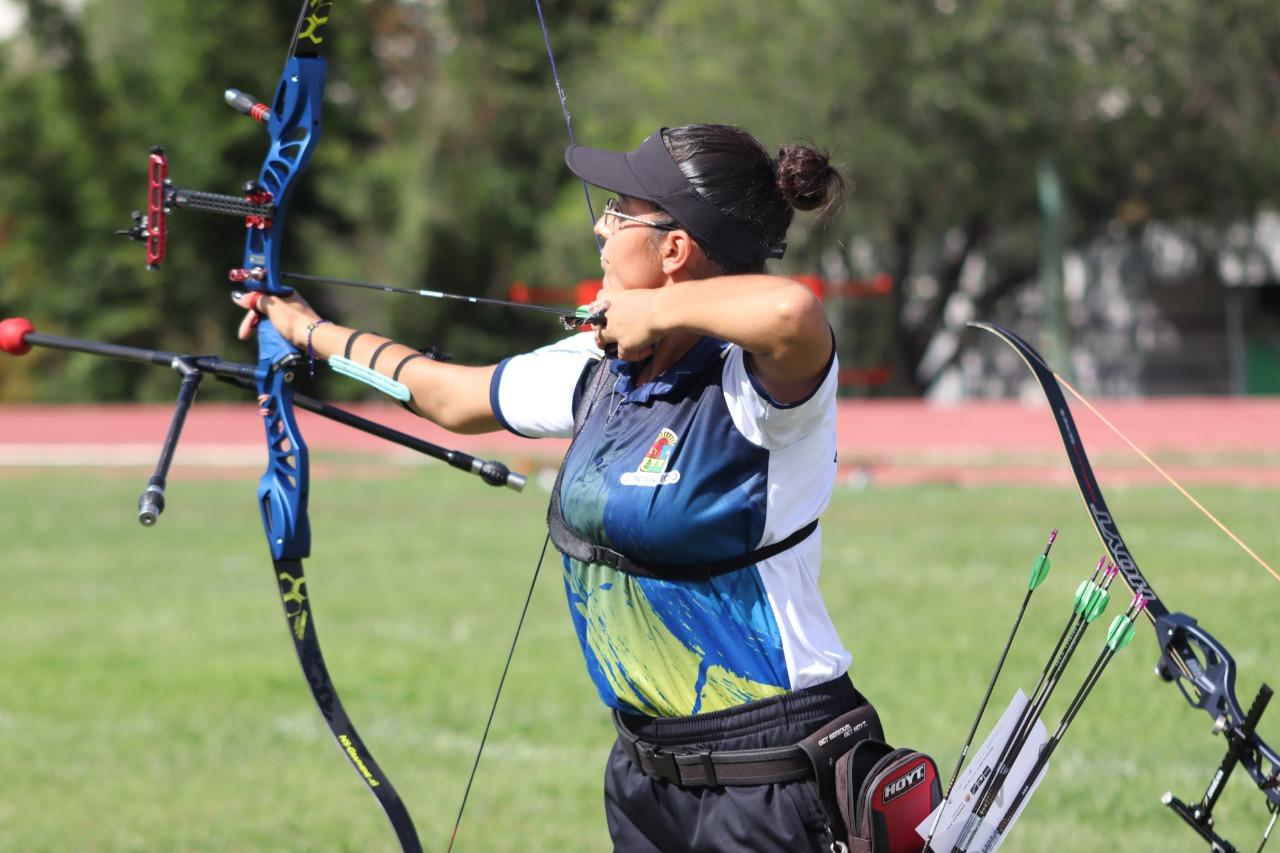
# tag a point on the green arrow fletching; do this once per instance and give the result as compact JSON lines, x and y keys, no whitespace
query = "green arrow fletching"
{"x":1121,"y":632}
{"x":1084,"y":594}
{"x":1097,"y":605}
{"x":1039,"y":571}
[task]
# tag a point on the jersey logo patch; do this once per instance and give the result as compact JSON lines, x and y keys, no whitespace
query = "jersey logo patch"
{"x":653,"y":468}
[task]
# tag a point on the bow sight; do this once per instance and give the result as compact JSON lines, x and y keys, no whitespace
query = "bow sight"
{"x":162,"y":197}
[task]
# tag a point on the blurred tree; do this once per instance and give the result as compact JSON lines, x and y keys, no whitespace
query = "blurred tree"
{"x":483,"y":184}
{"x":942,"y":110}
{"x":440,"y":161}
{"x":97,"y":89}
{"x":442,"y":167}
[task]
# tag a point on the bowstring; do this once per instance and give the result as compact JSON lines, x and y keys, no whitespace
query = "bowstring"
{"x":1167,"y":476}
{"x":497,"y":696}
{"x":564,"y":109}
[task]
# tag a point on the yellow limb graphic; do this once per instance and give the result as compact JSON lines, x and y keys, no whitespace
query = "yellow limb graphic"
{"x":314,"y":22}
{"x":296,"y":594}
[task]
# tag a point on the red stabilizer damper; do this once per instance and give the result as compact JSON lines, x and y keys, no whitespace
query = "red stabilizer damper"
{"x":13,"y":334}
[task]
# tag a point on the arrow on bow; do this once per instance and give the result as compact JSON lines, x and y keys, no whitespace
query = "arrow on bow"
{"x":1189,"y":656}
{"x":572,"y":319}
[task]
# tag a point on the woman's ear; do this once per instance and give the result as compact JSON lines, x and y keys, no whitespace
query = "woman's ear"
{"x":679,"y":253}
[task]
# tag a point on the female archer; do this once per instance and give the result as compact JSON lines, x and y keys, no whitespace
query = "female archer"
{"x":686,"y":508}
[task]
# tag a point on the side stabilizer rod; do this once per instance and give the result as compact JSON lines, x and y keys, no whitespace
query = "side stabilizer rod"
{"x":18,"y":336}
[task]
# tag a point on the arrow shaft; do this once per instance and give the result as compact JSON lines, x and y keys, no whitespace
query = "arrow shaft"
{"x":1077,"y":702}
{"x":433,"y":294}
{"x":1025,"y":724}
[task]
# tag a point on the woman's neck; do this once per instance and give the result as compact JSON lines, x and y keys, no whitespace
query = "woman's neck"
{"x":667,"y":352}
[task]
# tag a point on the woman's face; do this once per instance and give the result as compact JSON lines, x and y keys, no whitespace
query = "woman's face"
{"x":630,"y":255}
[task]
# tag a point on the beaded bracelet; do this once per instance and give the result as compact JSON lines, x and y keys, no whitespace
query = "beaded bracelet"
{"x":311,"y":351}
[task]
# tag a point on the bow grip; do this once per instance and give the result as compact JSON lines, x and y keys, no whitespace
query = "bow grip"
{"x":285,"y":485}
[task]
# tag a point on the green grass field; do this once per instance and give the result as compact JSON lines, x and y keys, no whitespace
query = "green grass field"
{"x":149,"y":698}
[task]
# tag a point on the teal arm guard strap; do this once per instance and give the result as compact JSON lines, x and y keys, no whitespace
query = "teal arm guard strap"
{"x":390,"y":387}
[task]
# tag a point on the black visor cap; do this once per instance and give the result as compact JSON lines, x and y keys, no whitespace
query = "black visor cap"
{"x":649,"y":173}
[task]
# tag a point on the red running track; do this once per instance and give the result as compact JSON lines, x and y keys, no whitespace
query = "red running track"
{"x":1227,"y":440}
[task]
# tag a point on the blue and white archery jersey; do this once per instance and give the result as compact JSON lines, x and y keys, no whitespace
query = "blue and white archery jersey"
{"x":695,"y":466}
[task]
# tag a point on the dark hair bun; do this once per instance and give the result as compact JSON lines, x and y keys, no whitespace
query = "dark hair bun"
{"x":808,"y":181}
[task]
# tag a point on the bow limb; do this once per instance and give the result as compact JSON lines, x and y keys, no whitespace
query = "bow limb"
{"x":1191,"y":657}
{"x":1090,"y":491}
{"x":293,"y":125}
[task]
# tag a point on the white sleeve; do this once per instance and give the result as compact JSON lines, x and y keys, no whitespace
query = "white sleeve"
{"x":764,"y":421}
{"x":532,"y":394}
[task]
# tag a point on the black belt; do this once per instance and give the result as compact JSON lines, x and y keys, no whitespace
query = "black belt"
{"x":710,"y":768}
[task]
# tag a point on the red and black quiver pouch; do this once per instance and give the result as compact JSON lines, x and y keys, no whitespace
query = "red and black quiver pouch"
{"x":829,"y":745}
{"x":883,"y":794}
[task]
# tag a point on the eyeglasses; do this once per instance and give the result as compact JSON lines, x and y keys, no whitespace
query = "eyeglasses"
{"x":613,"y":218}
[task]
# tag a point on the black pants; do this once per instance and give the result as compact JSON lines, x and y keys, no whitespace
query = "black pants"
{"x":646,"y":815}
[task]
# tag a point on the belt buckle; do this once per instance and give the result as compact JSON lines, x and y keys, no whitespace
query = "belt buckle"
{"x":663,"y":764}
{"x":606,"y":557}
